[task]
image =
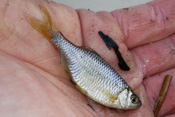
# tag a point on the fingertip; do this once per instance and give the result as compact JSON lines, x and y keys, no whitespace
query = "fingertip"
{"x":146,"y":23}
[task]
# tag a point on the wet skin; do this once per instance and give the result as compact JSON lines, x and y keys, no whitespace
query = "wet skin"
{"x":33,"y":82}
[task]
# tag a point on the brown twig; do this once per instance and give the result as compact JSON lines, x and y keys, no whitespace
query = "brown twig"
{"x":162,"y":94}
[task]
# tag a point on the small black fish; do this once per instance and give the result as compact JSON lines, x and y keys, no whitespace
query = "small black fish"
{"x":111,"y":44}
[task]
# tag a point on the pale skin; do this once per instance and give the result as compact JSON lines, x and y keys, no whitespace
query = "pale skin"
{"x":33,"y":82}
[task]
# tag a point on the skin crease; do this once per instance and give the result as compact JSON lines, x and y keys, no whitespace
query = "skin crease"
{"x":33,"y":83}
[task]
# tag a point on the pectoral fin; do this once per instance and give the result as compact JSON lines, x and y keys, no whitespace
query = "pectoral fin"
{"x":111,"y":97}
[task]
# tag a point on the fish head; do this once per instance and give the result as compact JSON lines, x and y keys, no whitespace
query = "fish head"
{"x":128,"y":100}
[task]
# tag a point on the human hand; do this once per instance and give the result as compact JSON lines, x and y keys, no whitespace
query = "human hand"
{"x":33,"y":82}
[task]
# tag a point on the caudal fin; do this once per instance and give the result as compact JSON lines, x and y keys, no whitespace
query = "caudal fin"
{"x":46,"y":27}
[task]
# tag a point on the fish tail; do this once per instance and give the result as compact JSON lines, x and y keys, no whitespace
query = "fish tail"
{"x":46,"y":27}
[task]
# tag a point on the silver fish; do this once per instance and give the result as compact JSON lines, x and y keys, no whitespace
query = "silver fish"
{"x":91,"y":74}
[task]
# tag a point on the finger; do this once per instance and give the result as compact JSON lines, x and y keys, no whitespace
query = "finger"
{"x":146,"y":23}
{"x":155,"y":57}
{"x":19,"y":39}
{"x":153,"y":86}
{"x":151,"y":59}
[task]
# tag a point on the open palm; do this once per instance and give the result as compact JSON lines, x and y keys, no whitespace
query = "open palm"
{"x":33,"y":83}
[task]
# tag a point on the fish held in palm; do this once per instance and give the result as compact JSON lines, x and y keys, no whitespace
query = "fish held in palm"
{"x":91,"y":74}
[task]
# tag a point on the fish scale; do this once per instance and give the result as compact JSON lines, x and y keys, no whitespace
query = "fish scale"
{"x":91,"y":74}
{"x":89,"y":70}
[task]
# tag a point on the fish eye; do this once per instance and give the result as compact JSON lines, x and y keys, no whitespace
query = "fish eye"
{"x":134,"y":99}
